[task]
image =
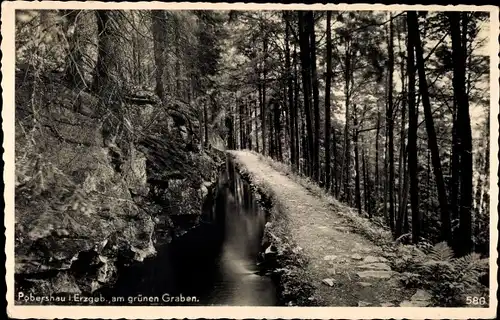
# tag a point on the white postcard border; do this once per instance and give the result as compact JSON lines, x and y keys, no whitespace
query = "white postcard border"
{"x":155,"y":312}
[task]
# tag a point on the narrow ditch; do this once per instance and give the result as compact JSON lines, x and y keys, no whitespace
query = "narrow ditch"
{"x":215,"y":263}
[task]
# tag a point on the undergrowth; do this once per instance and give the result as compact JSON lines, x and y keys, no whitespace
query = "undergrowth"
{"x":448,"y":278}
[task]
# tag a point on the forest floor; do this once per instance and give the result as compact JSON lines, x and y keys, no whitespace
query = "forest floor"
{"x":346,"y":268}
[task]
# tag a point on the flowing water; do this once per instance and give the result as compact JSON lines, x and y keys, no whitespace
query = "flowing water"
{"x":215,"y":262}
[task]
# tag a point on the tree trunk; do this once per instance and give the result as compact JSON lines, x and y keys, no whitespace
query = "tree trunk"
{"x":242,"y":128}
{"x":390,"y":126}
{"x":335,"y":180}
{"x":264,"y":88}
{"x":289,"y":82}
{"x":387,"y":182}
{"x":346,"y":159}
{"x":465,"y":243}
{"x":296,"y":110}
{"x":315,"y":92}
{"x":412,"y":138}
{"x":327,"y":98}
{"x":159,"y":34}
{"x":306,"y":82}
{"x":377,"y":147}
{"x":357,"y":190}
{"x":256,"y":117}
{"x":230,"y":132}
{"x":75,"y":72}
{"x":304,"y":145}
{"x":366,"y":182}
{"x":105,"y":65}
{"x":402,"y":170}
{"x":248,"y":124}
{"x":431,"y":133}
{"x":272,"y":149}
{"x":277,"y":130}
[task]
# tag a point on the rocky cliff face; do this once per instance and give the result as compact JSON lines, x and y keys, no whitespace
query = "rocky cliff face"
{"x":87,"y":205}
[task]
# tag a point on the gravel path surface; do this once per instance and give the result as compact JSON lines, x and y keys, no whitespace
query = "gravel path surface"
{"x":347,"y":269}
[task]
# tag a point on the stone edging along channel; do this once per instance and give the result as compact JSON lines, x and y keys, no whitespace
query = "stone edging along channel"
{"x":283,"y":260}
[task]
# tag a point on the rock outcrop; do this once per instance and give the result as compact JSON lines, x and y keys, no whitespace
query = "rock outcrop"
{"x":87,"y":204}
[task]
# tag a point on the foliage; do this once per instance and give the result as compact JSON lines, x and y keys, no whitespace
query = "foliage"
{"x":94,"y":143}
{"x":449,"y":278}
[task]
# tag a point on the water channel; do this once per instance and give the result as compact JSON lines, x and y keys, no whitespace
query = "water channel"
{"x":216,"y":262}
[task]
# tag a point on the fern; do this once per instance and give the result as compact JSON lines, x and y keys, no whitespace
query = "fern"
{"x":448,"y":277}
{"x":470,"y":268}
{"x":441,"y":252}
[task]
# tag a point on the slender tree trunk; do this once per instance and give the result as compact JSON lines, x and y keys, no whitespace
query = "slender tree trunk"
{"x":346,"y":159}
{"x":285,"y":114}
{"x":242,"y":129}
{"x":75,"y":72}
{"x":272,"y":150}
{"x":387,"y":182}
{"x":402,"y":171}
{"x":431,"y":133}
{"x":261,"y":108}
{"x":464,"y":134}
{"x":256,"y":117}
{"x":277,"y":130}
{"x":357,"y":190}
{"x":248,"y":122}
{"x":230,"y":132}
{"x":304,"y":145}
{"x":366,"y":182}
{"x":105,"y":57}
{"x":289,"y":82}
{"x":296,"y":110}
{"x":306,"y":81}
{"x":335,"y":180}
{"x":412,"y":138}
{"x":377,"y":147}
{"x":264,"y":89}
{"x":315,"y":92}
{"x":455,"y":167}
{"x":158,"y":20}
{"x":327,"y":98}
{"x":390,"y":126}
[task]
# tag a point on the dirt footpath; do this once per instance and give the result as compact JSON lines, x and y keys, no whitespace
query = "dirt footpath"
{"x":346,"y":268}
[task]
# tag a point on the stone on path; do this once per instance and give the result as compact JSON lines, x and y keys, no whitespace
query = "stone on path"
{"x":379,"y":274}
{"x":387,"y":304}
{"x":365,"y":284}
{"x":376,"y":266}
{"x":330,"y":257}
{"x":363,"y":304}
{"x":331,"y":271}
{"x":407,"y":304}
{"x":421,"y":298}
{"x":328,"y":281}
{"x":356,"y":256}
{"x":421,"y":295}
{"x":372,"y":259}
{"x":342,"y":229}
